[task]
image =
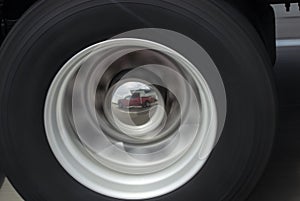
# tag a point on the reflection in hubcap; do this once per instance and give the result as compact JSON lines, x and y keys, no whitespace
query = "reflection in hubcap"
{"x":134,"y":103}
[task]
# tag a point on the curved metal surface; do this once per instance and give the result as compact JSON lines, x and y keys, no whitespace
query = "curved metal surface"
{"x":110,"y":156}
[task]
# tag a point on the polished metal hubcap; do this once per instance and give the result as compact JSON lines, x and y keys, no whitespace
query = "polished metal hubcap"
{"x":131,"y":118}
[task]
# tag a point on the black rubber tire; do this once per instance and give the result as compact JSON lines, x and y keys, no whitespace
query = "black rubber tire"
{"x":52,"y":31}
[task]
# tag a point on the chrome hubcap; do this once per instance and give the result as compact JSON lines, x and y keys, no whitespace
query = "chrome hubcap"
{"x":131,"y":118}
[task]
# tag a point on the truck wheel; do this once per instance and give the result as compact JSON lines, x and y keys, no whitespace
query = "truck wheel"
{"x":63,"y":66}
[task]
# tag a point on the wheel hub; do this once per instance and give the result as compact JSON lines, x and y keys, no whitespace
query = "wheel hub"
{"x":104,"y":136}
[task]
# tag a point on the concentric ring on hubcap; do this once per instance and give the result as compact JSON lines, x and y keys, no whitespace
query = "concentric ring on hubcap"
{"x":101,"y":141}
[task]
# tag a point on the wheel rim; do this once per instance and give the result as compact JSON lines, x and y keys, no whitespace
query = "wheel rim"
{"x":130,"y":160}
